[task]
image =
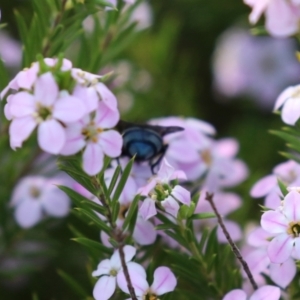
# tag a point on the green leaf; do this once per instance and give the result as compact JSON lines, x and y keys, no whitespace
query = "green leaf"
{"x":291,"y":139}
{"x":282,"y":187}
{"x":73,"y":284}
{"x":114,"y":180}
{"x":205,"y":215}
{"x":93,"y":244}
{"x":166,"y":226}
{"x":132,"y":210}
{"x":95,"y":219}
{"x":290,"y":156}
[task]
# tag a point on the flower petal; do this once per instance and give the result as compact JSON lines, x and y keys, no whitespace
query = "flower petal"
{"x":182,"y":195}
{"x":287,"y":93}
{"x":147,"y":209}
{"x":74,"y":139}
{"x":292,"y":206}
{"x":104,"y":288}
{"x":68,"y":109}
{"x":46,"y":89}
{"x":103,"y":268}
{"x":51,"y":136}
{"x":171,"y":206}
{"x":291,"y":111}
{"x":88,"y":96}
{"x":266,"y":292}
{"x":235,"y":295}
{"x":106,"y":117}
{"x":144,"y":232}
{"x":92,"y":159}
{"x":280,"y":248}
{"x":28,"y":213}
{"x":263,"y":186}
{"x":129,"y":253}
{"x":20,"y":129}
{"x":164,"y":281}
{"x":233,"y":229}
{"x":283,"y":274}
{"x":108,"y":98}
{"x":21,"y":104}
{"x":273,"y":222}
{"x":111,"y":143}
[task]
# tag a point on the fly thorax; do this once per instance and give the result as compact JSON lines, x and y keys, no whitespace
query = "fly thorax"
{"x":91,"y":132}
{"x":294,"y":229}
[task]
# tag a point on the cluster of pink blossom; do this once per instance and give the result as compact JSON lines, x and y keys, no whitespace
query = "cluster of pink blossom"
{"x":282,"y":16}
{"x":71,"y":109}
{"x":112,"y":275}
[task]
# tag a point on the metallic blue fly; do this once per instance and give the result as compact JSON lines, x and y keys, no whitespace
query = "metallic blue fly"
{"x":145,"y":141}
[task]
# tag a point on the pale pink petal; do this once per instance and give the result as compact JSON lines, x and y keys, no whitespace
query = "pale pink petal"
{"x":171,"y":206}
{"x":164,"y":281}
{"x":273,"y":222}
{"x":104,"y":288}
{"x":291,"y":111}
{"x":283,"y":274}
{"x":147,"y":209}
{"x":103,"y":268}
{"x":287,"y":93}
{"x":107,"y":96}
{"x":292,"y":206}
{"x":235,"y":295}
{"x":258,"y":238}
{"x":165,"y":171}
{"x":55,"y":202}
{"x":106,"y":117}
{"x":228,"y":147}
{"x":111,"y":143}
{"x":68,"y":109}
{"x":181,"y":152}
{"x":74,"y":139}
{"x":181,"y":194}
{"x":21,"y":104}
{"x":233,"y":229}
{"x":88,"y":96}
{"x":26,"y":78}
{"x":20,"y":129}
{"x":266,"y":292}
{"x":138,"y":281}
{"x":225,"y":202}
{"x":28,"y":213}
{"x":145,"y":190}
{"x":273,"y":199}
{"x":296,"y":249}
{"x":144,"y":232}
{"x":129,"y":253}
{"x":258,"y":9}
{"x":258,"y":261}
{"x":51,"y":136}
{"x":136,"y":268}
{"x":280,"y":248}
{"x":92,"y":159}
{"x":281,"y":19}
{"x":263,"y":186}
{"x":202,"y":126}
{"x":46,"y":89}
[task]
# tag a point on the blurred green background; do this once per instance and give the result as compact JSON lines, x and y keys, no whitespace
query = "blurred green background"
{"x":177,"y":53}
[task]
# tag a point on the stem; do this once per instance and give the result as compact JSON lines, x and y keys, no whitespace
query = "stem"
{"x":126,"y":273}
{"x":209,"y":198}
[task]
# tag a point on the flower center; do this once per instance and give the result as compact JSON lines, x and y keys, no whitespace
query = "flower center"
{"x":34,"y":192}
{"x":296,"y":93}
{"x":206,"y":157}
{"x":294,"y":228}
{"x":150,"y":296}
{"x":113,"y":272}
{"x":43,"y":112}
{"x":161,"y":192}
{"x":91,"y":132}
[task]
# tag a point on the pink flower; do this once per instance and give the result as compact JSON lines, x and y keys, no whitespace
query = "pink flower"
{"x":265,"y":292}
{"x":109,"y":271}
{"x":289,"y":100}
{"x":34,"y":197}
{"x":259,"y":263}
{"x":284,"y":225}
{"x":282,"y":17}
{"x":94,"y":135}
{"x":45,"y":108}
{"x":164,"y":282}
{"x":158,"y":189}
